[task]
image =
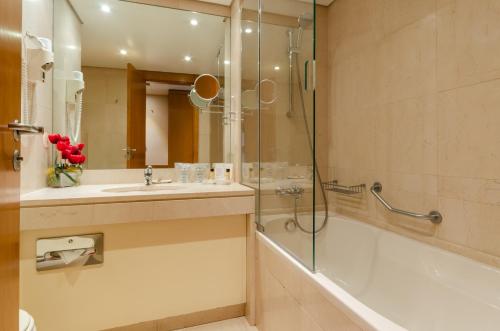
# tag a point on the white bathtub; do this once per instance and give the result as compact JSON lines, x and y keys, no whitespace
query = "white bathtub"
{"x":391,"y":282}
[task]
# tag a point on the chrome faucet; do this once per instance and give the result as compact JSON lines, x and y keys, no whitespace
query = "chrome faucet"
{"x":148,"y":175}
{"x":294,"y":190}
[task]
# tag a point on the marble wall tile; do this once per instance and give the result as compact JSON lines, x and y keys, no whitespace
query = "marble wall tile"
{"x":468,"y":131}
{"x":407,"y":61}
{"x":484,"y":227}
{"x":456,"y":228}
{"x":354,"y":140}
{"x":468,"y":42}
{"x":414,"y":93}
{"x":406,"y":136}
{"x":399,"y":13}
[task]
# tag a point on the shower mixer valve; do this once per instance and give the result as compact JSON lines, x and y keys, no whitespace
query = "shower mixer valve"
{"x":294,"y":190}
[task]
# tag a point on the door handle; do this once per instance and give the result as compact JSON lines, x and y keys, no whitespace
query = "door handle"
{"x":19,"y":129}
{"x":128,"y":152}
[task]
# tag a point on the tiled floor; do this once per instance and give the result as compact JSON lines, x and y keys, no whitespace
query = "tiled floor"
{"x":235,"y":324}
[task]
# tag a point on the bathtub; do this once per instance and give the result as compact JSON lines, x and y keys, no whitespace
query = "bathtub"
{"x":385,"y":281}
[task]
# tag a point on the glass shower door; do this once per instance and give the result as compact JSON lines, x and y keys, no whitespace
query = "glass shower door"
{"x":284,"y":134}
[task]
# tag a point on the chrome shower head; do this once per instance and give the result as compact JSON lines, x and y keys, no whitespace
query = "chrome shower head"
{"x":305,"y":20}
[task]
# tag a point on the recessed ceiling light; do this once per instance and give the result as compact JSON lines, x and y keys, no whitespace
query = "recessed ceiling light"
{"x":194,"y":22}
{"x":187,"y":58}
{"x":276,"y":68}
{"x":105,"y":8}
{"x":227,"y":61}
{"x":71,"y":47}
{"x":248,"y":30}
{"x":123,"y":52}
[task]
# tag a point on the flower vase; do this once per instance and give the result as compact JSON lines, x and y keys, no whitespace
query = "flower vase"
{"x":64,"y":177}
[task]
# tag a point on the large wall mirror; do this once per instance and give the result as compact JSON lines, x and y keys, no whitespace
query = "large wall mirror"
{"x":124,"y":83}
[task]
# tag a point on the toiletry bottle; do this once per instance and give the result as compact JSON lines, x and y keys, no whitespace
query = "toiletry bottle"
{"x":227,"y":175}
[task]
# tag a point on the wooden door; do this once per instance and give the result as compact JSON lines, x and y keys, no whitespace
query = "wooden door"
{"x":182,"y":129}
{"x":136,"y":117}
{"x":10,"y":105}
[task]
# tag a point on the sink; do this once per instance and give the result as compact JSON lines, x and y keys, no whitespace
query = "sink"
{"x":142,"y":188}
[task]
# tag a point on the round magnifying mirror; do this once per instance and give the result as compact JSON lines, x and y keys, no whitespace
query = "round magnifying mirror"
{"x":267,"y":91}
{"x":207,"y":87}
{"x":197,"y":101}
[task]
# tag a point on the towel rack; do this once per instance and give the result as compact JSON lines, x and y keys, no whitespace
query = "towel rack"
{"x":434,"y":216}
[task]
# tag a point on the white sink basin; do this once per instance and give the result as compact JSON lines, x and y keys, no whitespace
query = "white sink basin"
{"x":142,"y":188}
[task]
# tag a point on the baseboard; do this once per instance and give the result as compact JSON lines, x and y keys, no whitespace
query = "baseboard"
{"x":187,"y":320}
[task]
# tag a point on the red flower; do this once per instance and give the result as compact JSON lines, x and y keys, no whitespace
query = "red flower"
{"x":66,"y":153}
{"x":75,"y":150}
{"x":81,"y":146}
{"x":62,"y":145}
{"x":54,"y":138}
{"x":76,"y":159}
{"x":65,"y":139}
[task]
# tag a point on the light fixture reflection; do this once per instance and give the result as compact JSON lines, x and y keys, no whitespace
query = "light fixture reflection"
{"x":105,"y":8}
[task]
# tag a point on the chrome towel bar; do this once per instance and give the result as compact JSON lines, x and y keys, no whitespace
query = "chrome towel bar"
{"x":434,"y":216}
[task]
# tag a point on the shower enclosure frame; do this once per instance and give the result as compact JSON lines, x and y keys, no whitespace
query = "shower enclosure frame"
{"x":291,"y":113}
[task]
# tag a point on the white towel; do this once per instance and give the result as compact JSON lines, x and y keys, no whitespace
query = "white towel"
{"x":70,"y":256}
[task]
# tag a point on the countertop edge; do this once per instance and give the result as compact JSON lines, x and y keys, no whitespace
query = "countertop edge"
{"x":91,"y":200}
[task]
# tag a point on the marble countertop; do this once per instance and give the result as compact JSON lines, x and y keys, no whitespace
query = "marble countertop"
{"x":94,"y":194}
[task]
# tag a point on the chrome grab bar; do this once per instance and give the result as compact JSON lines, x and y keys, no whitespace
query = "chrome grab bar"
{"x":19,"y":129}
{"x":434,"y":216}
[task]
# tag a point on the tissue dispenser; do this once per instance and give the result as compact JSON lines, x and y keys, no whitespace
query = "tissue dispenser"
{"x":60,"y":252}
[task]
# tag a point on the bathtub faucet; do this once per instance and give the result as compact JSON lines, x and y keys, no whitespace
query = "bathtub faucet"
{"x":294,"y":190}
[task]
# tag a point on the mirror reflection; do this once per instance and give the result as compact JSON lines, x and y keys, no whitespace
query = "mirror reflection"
{"x":141,"y":85}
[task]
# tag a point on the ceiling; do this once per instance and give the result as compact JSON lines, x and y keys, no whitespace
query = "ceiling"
{"x":293,"y":8}
{"x":228,"y":2}
{"x":155,"y":38}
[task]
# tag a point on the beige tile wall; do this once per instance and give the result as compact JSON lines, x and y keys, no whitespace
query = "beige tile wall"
{"x":414,"y":98}
{"x":36,"y":155}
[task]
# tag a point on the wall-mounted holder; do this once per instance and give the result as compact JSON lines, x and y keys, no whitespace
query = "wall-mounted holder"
{"x":334,"y":186}
{"x":60,"y":252}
